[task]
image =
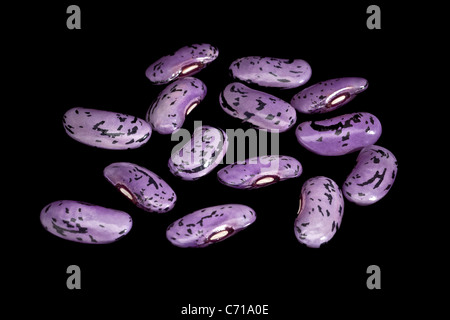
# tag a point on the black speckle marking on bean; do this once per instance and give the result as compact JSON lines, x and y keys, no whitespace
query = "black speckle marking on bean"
{"x":261,"y":104}
{"x":320,"y":210}
{"x":132,"y":131}
{"x":338,"y":126}
{"x":378,"y":176}
{"x":68,"y":129}
{"x":200,"y":222}
{"x":105,"y":132}
{"x":248,"y":115}
{"x":346,"y":137}
{"x":383,"y":154}
{"x":329,"y":197}
{"x":233,"y":89}
{"x":225,"y":104}
{"x":61,"y":230}
{"x":145,"y":136}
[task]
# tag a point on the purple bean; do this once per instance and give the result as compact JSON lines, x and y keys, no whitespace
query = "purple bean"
{"x":271,"y":72}
{"x":106,"y":129}
{"x":86,"y":223}
{"x":168,"y":112}
{"x":339,"y":135}
{"x":262,"y":110}
{"x":372,"y":177}
{"x":184,"y":62}
{"x":143,"y":187}
{"x":328,"y":95}
{"x":206,"y":226}
{"x":200,"y":155}
{"x":320,"y":213}
{"x":258,"y":172}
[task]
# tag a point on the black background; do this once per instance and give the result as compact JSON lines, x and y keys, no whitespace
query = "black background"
{"x":103,"y":66}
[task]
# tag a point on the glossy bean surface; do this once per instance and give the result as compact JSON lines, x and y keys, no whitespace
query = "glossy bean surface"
{"x":271,"y":72}
{"x":143,"y":187}
{"x":213,"y":224}
{"x":258,"y":172}
{"x":320,"y":213}
{"x":372,"y":177}
{"x":106,"y":129}
{"x":200,"y":154}
{"x":262,"y":110}
{"x":339,"y":135}
{"x":83,"y":222}
{"x":329,"y":95}
{"x":184,"y":62}
{"x":168,"y":112}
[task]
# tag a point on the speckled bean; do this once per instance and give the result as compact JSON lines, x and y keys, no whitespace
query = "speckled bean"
{"x":200,"y":155}
{"x":271,"y":72}
{"x":106,"y":129}
{"x":206,"y":226}
{"x":144,"y":188}
{"x":328,"y":95}
{"x":372,"y":177}
{"x":184,"y":62}
{"x":258,"y":172}
{"x":320,"y":213}
{"x":339,"y":135}
{"x":262,"y":110}
{"x":168,"y":112}
{"x":83,"y":222}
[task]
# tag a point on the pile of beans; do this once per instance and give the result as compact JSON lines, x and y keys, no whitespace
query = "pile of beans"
{"x":321,"y":200}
